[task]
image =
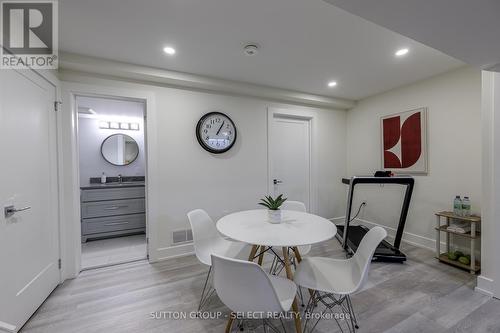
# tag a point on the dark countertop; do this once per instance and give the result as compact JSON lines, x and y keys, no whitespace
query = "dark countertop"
{"x":112,"y":185}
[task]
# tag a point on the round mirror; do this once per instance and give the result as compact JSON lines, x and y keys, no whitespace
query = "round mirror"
{"x":119,"y":149}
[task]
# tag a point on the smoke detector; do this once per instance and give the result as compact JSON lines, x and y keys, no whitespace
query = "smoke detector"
{"x":251,"y":49}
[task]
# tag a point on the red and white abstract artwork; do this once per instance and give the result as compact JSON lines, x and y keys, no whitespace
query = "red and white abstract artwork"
{"x":404,"y":142}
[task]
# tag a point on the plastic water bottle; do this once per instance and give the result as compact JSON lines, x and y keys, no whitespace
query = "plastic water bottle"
{"x":457,"y":206}
{"x":466,"y":206}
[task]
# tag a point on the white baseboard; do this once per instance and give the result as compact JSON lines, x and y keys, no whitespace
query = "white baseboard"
{"x":176,"y":251}
{"x":408,"y":237}
{"x":484,"y":286}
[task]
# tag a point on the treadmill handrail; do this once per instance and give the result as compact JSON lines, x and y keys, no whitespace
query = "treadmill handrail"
{"x":400,"y":180}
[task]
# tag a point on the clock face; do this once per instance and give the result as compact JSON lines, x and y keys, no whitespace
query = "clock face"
{"x":216,"y":132}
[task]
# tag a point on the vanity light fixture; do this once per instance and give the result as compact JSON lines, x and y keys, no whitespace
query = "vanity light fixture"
{"x":332,"y":84}
{"x":118,"y":125}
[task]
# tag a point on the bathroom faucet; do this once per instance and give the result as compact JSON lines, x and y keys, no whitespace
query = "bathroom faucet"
{"x":120,"y":178}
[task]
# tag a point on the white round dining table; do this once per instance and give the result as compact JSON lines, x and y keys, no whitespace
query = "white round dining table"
{"x":296,"y":229}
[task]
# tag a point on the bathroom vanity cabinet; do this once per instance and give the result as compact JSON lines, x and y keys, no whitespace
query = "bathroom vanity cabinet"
{"x":112,"y":210}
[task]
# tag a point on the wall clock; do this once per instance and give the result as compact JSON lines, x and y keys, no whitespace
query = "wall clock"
{"x":216,"y":132}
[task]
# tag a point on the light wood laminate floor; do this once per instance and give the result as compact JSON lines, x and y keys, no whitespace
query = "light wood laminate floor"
{"x":421,"y":295}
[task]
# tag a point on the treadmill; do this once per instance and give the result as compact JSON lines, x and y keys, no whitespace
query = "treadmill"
{"x":350,"y":240}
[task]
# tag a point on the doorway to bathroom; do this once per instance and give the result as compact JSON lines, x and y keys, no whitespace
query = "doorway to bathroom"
{"x":112,"y":176}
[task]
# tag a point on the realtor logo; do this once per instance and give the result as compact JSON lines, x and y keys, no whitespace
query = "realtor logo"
{"x":29,"y":34}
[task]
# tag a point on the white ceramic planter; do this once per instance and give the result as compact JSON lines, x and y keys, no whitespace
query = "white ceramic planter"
{"x":274,"y":215}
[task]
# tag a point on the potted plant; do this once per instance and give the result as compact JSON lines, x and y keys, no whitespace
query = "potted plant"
{"x":273,"y":206}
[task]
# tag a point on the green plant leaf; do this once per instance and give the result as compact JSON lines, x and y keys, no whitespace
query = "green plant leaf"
{"x":272,"y":203}
{"x":265,"y":203}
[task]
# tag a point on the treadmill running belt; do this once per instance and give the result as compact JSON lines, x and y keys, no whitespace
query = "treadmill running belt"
{"x":385,"y":251}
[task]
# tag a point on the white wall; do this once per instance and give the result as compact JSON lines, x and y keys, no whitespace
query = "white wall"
{"x":192,"y":178}
{"x":234,"y":181}
{"x":489,"y":280}
{"x":92,"y":164}
{"x":454,"y":142}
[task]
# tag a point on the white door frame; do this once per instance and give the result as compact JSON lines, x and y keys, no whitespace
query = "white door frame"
{"x":71,"y":229}
{"x":302,"y":114}
{"x":50,"y":76}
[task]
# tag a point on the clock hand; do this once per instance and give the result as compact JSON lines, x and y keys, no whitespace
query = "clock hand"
{"x":220,"y":128}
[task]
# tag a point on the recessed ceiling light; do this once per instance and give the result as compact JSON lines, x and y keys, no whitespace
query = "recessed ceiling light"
{"x":169,"y":50}
{"x":401,"y":52}
{"x":332,"y":84}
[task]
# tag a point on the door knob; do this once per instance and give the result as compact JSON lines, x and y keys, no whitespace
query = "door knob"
{"x":11,"y":210}
{"x":276,"y":182}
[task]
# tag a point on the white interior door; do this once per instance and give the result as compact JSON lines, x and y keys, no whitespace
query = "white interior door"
{"x":290,"y":157}
{"x":29,"y":243}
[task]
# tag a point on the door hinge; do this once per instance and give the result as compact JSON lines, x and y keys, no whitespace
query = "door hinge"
{"x":56,"y":105}
{"x":59,"y":263}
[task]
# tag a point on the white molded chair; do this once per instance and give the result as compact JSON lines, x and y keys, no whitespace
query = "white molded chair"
{"x":298,"y":207}
{"x":334,"y":280}
{"x":208,"y":241}
{"x":294,"y":205}
{"x":244,"y":287}
{"x":277,"y":265}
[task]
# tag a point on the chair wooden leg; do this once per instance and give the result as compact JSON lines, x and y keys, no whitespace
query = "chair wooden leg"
{"x":253,"y":252}
{"x":261,"y":256}
{"x":230,"y":322}
{"x":297,"y":254}
{"x":295,"y":307}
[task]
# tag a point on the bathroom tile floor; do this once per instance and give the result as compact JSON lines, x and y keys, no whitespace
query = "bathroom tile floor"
{"x":111,"y":251}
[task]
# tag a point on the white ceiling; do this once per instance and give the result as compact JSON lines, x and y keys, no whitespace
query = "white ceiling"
{"x":304,"y":44}
{"x":465,"y":29}
{"x":108,"y":108}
